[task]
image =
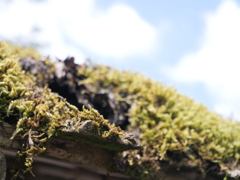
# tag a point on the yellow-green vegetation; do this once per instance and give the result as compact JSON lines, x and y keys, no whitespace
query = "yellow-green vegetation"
{"x":39,"y":113}
{"x":21,"y":51}
{"x":173,"y":127}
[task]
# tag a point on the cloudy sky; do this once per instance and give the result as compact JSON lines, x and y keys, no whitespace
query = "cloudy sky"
{"x":191,"y":45}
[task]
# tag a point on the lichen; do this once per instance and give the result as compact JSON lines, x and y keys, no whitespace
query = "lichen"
{"x":40,"y":114}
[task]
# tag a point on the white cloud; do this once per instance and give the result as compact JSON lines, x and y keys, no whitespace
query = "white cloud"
{"x":217,"y":62}
{"x":18,"y":18}
{"x":116,"y":32}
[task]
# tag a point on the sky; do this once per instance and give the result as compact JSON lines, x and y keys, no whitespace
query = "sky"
{"x":190,"y":45}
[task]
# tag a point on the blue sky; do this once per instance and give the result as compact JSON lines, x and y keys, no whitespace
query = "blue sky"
{"x":191,"y":45}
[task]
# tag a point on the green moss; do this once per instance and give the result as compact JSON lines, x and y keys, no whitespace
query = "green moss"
{"x":23,"y":52}
{"x":40,"y":114}
{"x":94,"y":129}
{"x":173,"y":127}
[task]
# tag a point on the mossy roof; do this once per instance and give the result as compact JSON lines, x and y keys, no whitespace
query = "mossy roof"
{"x":173,"y":129}
{"x":39,"y":114}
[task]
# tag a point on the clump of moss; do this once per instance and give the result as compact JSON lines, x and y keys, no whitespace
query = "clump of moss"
{"x":44,"y":114}
{"x":13,"y":82}
{"x":22,"y":52}
{"x":39,"y":113}
{"x":173,"y":127}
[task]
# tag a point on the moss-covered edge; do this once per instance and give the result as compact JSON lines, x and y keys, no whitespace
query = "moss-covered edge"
{"x":173,"y":127}
{"x":39,"y":113}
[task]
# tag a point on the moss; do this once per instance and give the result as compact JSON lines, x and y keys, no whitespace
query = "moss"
{"x":23,"y":51}
{"x":94,"y":129}
{"x":40,"y":114}
{"x":173,"y":127}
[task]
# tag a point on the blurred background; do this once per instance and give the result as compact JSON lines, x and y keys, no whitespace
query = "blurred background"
{"x":191,"y":45}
